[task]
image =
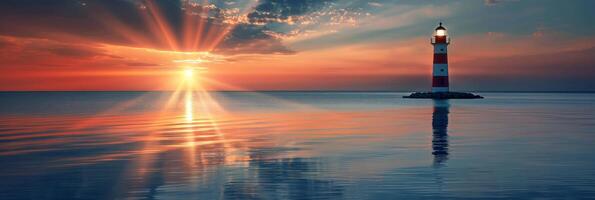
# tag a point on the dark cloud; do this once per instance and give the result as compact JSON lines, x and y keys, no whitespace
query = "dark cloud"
{"x":270,"y":17}
{"x":135,"y":22}
{"x":43,"y":19}
{"x":271,"y":11}
{"x":124,"y":22}
{"x":248,"y":38}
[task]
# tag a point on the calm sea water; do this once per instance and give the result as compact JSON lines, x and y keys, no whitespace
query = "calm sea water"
{"x":295,"y":145}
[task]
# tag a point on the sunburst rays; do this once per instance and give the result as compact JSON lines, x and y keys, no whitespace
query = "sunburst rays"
{"x":190,"y":107}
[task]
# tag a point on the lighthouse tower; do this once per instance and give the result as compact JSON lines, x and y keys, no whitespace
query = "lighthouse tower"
{"x":440,"y":90}
{"x":440,"y":41}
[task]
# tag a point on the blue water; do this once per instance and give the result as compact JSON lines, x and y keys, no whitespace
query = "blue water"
{"x":295,"y":145}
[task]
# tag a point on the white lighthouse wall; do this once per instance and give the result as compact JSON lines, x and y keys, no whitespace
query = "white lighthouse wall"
{"x":440,"y":48}
{"x":440,"y":70}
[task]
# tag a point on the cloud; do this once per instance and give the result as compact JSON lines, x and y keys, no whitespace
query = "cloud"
{"x":142,"y":64}
{"x":78,"y":51}
{"x":248,"y":38}
{"x":159,"y":24}
{"x":282,"y":11}
{"x":228,"y":27}
{"x":273,"y":21}
{"x":44,"y":47}
{"x":495,"y":2}
{"x":389,"y":24}
{"x":375,"y":4}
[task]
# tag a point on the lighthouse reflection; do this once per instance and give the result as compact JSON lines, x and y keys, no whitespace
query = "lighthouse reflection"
{"x":440,"y":132}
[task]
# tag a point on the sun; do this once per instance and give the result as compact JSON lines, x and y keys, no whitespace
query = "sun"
{"x":188,"y":73}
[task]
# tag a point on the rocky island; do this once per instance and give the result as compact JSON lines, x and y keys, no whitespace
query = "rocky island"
{"x":443,"y":95}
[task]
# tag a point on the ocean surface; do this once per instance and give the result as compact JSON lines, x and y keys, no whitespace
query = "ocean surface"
{"x":295,"y":145}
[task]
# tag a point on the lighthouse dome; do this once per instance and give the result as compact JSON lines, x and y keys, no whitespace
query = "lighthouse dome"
{"x":440,"y":30}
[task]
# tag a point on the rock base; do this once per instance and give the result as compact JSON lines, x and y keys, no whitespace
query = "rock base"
{"x":443,"y":95}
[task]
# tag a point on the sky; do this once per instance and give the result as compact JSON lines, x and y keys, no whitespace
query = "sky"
{"x":248,"y":45}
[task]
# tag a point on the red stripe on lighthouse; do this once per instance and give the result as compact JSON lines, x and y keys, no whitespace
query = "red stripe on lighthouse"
{"x":440,"y":81}
{"x":440,"y":39}
{"x":440,"y":59}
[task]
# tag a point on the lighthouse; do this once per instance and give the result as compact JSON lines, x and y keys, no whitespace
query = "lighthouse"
{"x":440,"y":41}
{"x":440,"y":89}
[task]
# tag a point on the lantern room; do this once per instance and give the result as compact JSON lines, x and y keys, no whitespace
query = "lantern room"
{"x":440,"y":35}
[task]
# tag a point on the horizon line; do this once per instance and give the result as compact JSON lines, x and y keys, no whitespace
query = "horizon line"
{"x":382,"y":91}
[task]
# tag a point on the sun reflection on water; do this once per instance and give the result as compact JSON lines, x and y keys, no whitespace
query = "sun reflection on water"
{"x":188,"y":107}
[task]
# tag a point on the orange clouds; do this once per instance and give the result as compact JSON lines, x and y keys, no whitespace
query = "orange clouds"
{"x":42,"y":64}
